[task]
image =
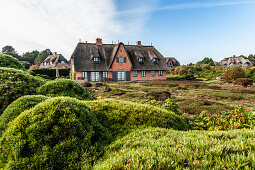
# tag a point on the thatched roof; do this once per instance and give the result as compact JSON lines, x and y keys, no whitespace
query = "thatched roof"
{"x":54,"y":61}
{"x":84,"y":53}
{"x":235,"y":61}
{"x":171,"y":61}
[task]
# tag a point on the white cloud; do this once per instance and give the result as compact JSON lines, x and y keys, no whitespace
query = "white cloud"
{"x":54,"y":24}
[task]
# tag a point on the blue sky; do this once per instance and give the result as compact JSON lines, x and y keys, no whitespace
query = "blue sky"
{"x":186,"y":29}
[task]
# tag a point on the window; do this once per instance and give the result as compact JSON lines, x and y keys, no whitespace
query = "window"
{"x":96,"y":59}
{"x":134,"y":73}
{"x":121,"y":75}
{"x":62,"y":62}
{"x":85,"y":75}
{"x":143,"y":73}
{"x":140,"y":59}
{"x":120,"y":50}
{"x":154,"y":60}
{"x":120,"y":59}
{"x":51,"y":63}
{"x":160,"y":73}
{"x":94,"y":76}
{"x":153,"y":73}
{"x":105,"y":74}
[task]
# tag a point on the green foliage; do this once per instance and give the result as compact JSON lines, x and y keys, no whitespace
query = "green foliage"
{"x":30,"y":56}
{"x":18,"y":106}
{"x":58,"y":133}
{"x":156,"y":148}
{"x":224,"y":120}
{"x":51,"y":73}
{"x":232,"y":73}
{"x":65,"y":87}
{"x":16,"y":83}
{"x":121,"y":116}
{"x":42,"y":56}
{"x":26,"y":65}
{"x":206,"y":60}
{"x":9,"y":61}
{"x":244,"y":82}
{"x":211,"y":74}
{"x":9,"y":50}
{"x":183,"y":77}
{"x":251,"y":73}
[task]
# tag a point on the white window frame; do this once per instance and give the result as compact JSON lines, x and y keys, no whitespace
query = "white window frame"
{"x":143,"y":74}
{"x":154,"y":60}
{"x":140,"y":59}
{"x":105,"y":74}
{"x":121,"y":75}
{"x":121,"y":60}
{"x":160,"y":73}
{"x":94,"y":76}
{"x":85,"y":74}
{"x":96,"y":59}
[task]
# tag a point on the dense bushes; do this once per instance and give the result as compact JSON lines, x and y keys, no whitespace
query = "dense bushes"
{"x":155,"y":148}
{"x":9,"y":61}
{"x":65,"y":87}
{"x":51,"y":73}
{"x":16,"y":83}
{"x":232,"y":73}
{"x":17,"y":107}
{"x":58,"y":133}
{"x":244,"y":82}
{"x":120,"y":116}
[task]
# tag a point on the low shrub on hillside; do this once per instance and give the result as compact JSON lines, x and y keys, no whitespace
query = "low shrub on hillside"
{"x":159,"y":95}
{"x":65,"y":87}
{"x":232,"y":73}
{"x":244,"y":82}
{"x":16,"y":83}
{"x":18,"y":106}
{"x":156,"y":148}
{"x":51,"y":73}
{"x":59,"y":133}
{"x":11,"y":62}
{"x":120,"y":116}
{"x":223,"y":120}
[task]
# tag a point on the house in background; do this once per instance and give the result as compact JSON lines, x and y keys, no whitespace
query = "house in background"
{"x":55,"y":61}
{"x":231,"y":61}
{"x":172,"y":62}
{"x":96,"y":62}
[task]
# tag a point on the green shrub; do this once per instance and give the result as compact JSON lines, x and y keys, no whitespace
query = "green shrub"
{"x":156,"y":148}
{"x":51,"y":73}
{"x":120,"y":116}
{"x":58,"y":133}
{"x":9,"y":61}
{"x":16,"y":83}
{"x":18,"y":106}
{"x":65,"y":87}
{"x":232,"y":73}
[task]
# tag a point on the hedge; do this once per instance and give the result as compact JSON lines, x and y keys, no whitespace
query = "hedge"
{"x":120,"y":116}
{"x":18,"y":106}
{"x":51,"y":73}
{"x":16,"y":83}
{"x":59,"y":133}
{"x":157,"y":148}
{"x":11,"y":62}
{"x":65,"y":87}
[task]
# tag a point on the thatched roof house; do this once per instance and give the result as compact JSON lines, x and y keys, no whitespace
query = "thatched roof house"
{"x":240,"y":61}
{"x":172,"y":62}
{"x":55,"y":61}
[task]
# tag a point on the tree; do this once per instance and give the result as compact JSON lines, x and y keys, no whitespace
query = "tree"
{"x":206,"y":60}
{"x":42,"y":56}
{"x":9,"y":50}
{"x":30,"y":56}
{"x":252,"y":58}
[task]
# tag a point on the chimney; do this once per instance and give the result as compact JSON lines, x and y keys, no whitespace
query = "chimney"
{"x":234,"y":56}
{"x":99,"y":41}
{"x":54,"y":53}
{"x":138,"y":43}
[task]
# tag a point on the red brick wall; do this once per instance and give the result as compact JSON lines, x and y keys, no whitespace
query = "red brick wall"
{"x":148,"y":76}
{"x":121,"y":66}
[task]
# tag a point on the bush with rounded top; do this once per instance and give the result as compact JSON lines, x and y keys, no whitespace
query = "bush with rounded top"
{"x":232,"y":73}
{"x":244,"y":82}
{"x":9,"y":61}
{"x":65,"y":87}
{"x":18,"y":106}
{"x":58,"y":133}
{"x":16,"y":83}
{"x":120,"y":116}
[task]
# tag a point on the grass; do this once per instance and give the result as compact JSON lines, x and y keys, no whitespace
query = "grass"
{"x":192,"y":96}
{"x":157,"y":148}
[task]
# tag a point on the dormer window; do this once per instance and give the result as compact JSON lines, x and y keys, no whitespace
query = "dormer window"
{"x":96,"y":59}
{"x":154,"y":60}
{"x":140,"y":59}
